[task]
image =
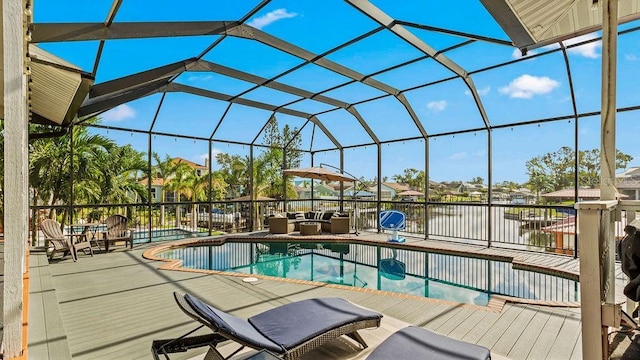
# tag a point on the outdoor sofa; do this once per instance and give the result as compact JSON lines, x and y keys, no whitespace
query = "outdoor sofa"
{"x":331,"y":221}
{"x":289,"y":330}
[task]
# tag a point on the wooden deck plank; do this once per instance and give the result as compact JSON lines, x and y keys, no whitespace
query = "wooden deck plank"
{"x":529,"y":336}
{"x":515,"y":330}
{"x":498,"y":329}
{"x":455,"y":321}
{"x":474,"y":335}
{"x":562,"y":348}
{"x":548,"y":335}
{"x":469,"y":323}
{"x":113,"y":305}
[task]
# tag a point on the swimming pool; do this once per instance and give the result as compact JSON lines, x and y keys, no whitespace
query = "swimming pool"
{"x":164,"y":235}
{"x":406,"y":271}
{"x":142,"y":236}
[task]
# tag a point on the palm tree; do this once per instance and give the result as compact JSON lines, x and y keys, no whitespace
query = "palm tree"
{"x":164,"y":170}
{"x":51,"y":171}
{"x":120,"y":183}
{"x":185,"y":184}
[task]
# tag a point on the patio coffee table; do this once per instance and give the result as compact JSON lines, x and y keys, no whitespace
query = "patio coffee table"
{"x":310,"y":228}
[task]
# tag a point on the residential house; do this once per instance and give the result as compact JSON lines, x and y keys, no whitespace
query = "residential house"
{"x":568,"y":195}
{"x":320,"y":190}
{"x":158,"y":183}
{"x":628,"y":183}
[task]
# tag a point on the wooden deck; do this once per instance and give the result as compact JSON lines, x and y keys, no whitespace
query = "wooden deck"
{"x":113,"y":305}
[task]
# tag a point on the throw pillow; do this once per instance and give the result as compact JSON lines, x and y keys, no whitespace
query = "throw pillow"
{"x":299,"y":216}
{"x":318,"y":215}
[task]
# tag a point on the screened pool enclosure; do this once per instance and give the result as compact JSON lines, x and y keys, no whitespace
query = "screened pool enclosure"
{"x":182,"y":116}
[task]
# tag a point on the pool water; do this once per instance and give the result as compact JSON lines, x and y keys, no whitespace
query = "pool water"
{"x":412,"y":272}
{"x":140,"y":236}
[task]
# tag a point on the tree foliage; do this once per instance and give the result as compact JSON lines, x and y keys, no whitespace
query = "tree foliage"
{"x":412,"y":177}
{"x":556,"y":170}
{"x":267,"y":165}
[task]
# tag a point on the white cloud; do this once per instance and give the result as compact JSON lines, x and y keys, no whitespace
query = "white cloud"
{"x":271,"y":17}
{"x":458,"y":156}
{"x":631,"y":57}
{"x":526,"y":86}
{"x":437,"y":105}
{"x":482,"y":91}
{"x":589,"y":50}
{"x":119,"y":113}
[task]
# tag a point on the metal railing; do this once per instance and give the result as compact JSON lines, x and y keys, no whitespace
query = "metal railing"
{"x":541,"y":228}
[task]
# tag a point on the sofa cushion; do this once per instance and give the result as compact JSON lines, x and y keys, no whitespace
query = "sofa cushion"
{"x":327,"y":215}
{"x":310,"y":215}
{"x":299,"y":216}
{"x":291,"y":215}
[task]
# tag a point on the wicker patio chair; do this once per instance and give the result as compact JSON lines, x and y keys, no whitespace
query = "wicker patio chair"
{"x":117,"y":231}
{"x":415,"y":342}
{"x":287,"y":331}
{"x":61,"y":242}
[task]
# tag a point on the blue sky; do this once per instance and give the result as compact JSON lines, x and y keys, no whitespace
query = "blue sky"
{"x":528,"y":90}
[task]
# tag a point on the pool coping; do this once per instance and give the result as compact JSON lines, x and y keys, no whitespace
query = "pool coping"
{"x":496,"y":302}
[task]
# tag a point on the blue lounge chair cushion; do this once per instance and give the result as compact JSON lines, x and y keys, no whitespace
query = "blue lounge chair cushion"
{"x":229,"y":324}
{"x":292,"y":324}
{"x":418,"y":343}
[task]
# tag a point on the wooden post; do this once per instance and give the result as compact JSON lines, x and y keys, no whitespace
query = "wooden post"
{"x":596,"y":274}
{"x":608,"y":106}
{"x":16,"y":182}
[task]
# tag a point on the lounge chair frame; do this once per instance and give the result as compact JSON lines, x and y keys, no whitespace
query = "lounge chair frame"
{"x":184,"y":342}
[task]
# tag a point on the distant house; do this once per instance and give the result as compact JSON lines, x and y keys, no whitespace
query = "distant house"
{"x":569,"y":195}
{"x":158,"y":183}
{"x":200,"y":169}
{"x":628,"y":183}
{"x":156,"y":190}
{"x":522,"y":196}
{"x":469,"y":188}
{"x":320,"y":190}
{"x":389,"y":190}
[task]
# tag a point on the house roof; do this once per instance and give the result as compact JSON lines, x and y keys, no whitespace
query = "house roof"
{"x":188,"y":162}
{"x":582,"y":194}
{"x":154,"y":182}
{"x":396,"y":186}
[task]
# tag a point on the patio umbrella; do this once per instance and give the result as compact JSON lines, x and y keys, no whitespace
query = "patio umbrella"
{"x":318,"y":173}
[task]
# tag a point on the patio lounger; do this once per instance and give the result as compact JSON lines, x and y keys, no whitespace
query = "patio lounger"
{"x":288,"y":331}
{"x":63,"y":243}
{"x":418,"y":343}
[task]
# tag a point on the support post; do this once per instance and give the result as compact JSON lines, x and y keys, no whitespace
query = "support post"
{"x":16,"y":171}
{"x":597,"y":274}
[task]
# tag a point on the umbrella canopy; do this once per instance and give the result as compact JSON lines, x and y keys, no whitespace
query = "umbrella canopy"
{"x":317,"y":173}
{"x":411,"y":193}
{"x":248,"y":198}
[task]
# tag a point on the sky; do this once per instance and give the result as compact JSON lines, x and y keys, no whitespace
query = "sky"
{"x":532,"y":89}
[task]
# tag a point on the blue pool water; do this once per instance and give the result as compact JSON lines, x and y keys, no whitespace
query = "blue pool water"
{"x":140,"y":236}
{"x":414,"y":272}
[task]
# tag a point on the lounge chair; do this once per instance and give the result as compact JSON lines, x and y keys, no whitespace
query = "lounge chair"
{"x":117,"y":231}
{"x":61,"y":242}
{"x":418,"y":343}
{"x":288,"y":331}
